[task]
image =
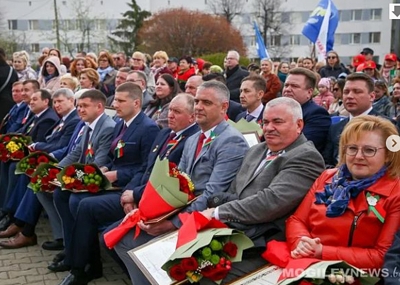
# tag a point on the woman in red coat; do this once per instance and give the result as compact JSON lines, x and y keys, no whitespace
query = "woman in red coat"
{"x":352,"y":213}
{"x":273,"y":82}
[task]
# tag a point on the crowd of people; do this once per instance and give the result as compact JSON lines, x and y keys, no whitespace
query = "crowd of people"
{"x":317,"y":180}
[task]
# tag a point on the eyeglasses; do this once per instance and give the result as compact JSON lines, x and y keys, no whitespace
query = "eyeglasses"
{"x":332,"y":57}
{"x":132,"y":80}
{"x":103,"y":60}
{"x":367,"y":151}
{"x":116,"y":58}
{"x":136,"y":59}
{"x":335,"y":89}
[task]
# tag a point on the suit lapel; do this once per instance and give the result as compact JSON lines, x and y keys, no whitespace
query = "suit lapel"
{"x":98,"y":127}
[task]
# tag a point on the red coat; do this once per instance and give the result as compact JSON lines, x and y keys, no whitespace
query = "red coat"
{"x":370,"y":237}
{"x":273,"y":87}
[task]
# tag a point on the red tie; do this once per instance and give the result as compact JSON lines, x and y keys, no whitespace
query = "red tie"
{"x":199,"y":144}
{"x":170,"y":137}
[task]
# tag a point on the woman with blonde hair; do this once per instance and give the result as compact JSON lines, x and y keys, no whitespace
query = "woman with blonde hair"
{"x":107,"y":73}
{"x":22,"y":67}
{"x":69,"y":81}
{"x":160,"y":60}
{"x":89,"y":78}
{"x":351,"y":213}
{"x":272,"y":80}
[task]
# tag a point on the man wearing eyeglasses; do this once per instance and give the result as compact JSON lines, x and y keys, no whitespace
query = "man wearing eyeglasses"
{"x":234,"y":74}
{"x":139,"y":78}
{"x":358,"y":97}
{"x":138,"y":62}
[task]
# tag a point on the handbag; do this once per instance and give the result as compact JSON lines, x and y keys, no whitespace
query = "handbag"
{"x":7,"y":80}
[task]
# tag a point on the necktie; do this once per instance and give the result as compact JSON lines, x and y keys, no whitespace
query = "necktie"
{"x":199,"y":144}
{"x":82,"y":159}
{"x":31,"y":125}
{"x":115,"y":141}
{"x":249,"y":118}
{"x":28,"y":112}
{"x":170,"y":137}
{"x":77,"y":138}
{"x":271,"y":155}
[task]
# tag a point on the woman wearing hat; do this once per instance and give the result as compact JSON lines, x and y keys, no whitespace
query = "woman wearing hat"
{"x":21,"y":66}
{"x":325,"y":97}
{"x":369,"y":68}
{"x":388,"y":70}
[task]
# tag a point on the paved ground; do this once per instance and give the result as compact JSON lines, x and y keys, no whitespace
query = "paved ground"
{"x":29,"y":265}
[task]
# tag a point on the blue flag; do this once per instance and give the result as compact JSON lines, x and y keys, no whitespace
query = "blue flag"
{"x":321,"y":26}
{"x":261,"y":49}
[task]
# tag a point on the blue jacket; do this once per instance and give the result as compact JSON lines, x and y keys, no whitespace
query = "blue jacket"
{"x":14,"y":121}
{"x":59,"y":154}
{"x":41,"y":125}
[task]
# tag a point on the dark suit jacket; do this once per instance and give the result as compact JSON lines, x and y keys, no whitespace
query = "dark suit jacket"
{"x":14,"y":122}
{"x":6,"y":101}
{"x":274,"y":191}
{"x":316,"y":124}
{"x":60,"y":153}
{"x":233,"y":83}
{"x":392,"y":262}
{"x":331,"y":152}
{"x":42,"y":125}
{"x":234,"y":110}
{"x":156,"y":150}
{"x":138,"y":139}
{"x":60,"y":138}
{"x":243,"y":115}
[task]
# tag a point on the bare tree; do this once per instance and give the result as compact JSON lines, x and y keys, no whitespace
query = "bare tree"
{"x":274,"y":24}
{"x":229,"y":9}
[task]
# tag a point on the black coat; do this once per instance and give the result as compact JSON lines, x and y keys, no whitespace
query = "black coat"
{"x":234,"y":81}
{"x":6,"y":101}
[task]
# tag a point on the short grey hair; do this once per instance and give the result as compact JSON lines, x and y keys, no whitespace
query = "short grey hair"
{"x":221,"y":91}
{"x":189,"y":101}
{"x":237,"y":55}
{"x":294,"y":107}
{"x":141,"y":75}
{"x":65,"y":92}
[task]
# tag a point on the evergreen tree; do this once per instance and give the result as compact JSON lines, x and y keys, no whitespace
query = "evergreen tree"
{"x":125,"y":34}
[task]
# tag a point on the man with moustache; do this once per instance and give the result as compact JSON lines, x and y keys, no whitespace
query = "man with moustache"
{"x":266,"y":190}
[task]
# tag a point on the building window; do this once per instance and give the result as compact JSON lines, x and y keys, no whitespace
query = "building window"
{"x":356,"y":15}
{"x":305,"y":16}
{"x":12,"y":25}
{"x":355,"y":38}
{"x":33,"y":25}
{"x":375,"y":37}
{"x":338,"y":39}
{"x":35,"y":48}
{"x":345,"y":15}
{"x":275,"y":40}
{"x":376,"y":14}
{"x":294,"y":40}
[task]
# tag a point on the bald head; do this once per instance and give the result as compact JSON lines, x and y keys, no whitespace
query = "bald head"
{"x":192,"y":84}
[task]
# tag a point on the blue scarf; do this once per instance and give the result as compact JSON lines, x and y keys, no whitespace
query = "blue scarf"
{"x":338,"y":194}
{"x":48,"y":77}
{"x":104,"y":72}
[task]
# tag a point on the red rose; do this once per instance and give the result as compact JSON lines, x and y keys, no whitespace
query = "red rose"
{"x":78,"y":185}
{"x":45,"y":180}
{"x":6,"y":138}
{"x":42,"y":159}
{"x":172,"y":165}
{"x":89,"y":169}
{"x":69,"y":186}
{"x":230,"y":249}
{"x":53,"y":173}
{"x":32,"y":161}
{"x":92,"y":188}
{"x":19,"y":154}
{"x":177,"y":272}
{"x":2,"y":146}
{"x":214,"y":273}
{"x":34,"y":179}
{"x":29,"y":171}
{"x":189,"y":264}
{"x":70,"y":171}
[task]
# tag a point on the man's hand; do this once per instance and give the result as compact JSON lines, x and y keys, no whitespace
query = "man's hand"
{"x":31,"y":147}
{"x":127,"y":197}
{"x":128,"y":207}
{"x":103,"y":169}
{"x":111,"y":175}
{"x":308,"y":247}
{"x":129,"y":214}
{"x":158,"y":228}
{"x":208,"y":213}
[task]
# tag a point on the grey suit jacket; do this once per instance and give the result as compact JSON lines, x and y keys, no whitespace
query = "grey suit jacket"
{"x":269,"y":197}
{"x":216,"y":165}
{"x":101,"y":143}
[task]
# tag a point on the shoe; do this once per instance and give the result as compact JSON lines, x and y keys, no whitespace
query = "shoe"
{"x":19,"y":241}
{"x":57,"y":244}
{"x":76,"y":278}
{"x":5,"y":223}
{"x":11,"y":231}
{"x":3,"y":214}
{"x":59,"y":267}
{"x":95,"y":271}
{"x":59,"y":257}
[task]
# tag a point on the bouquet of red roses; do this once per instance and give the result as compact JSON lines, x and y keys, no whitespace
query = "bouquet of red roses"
{"x":41,"y":178}
{"x":168,"y":189}
{"x":205,"y":249}
{"x":29,"y":163}
{"x":83,"y":178}
{"x":14,"y":146}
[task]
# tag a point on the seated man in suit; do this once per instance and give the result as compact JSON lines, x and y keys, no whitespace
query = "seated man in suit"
{"x":120,"y":78}
{"x":234,"y":108}
{"x":37,"y":127}
{"x":23,"y":201}
{"x":300,"y":85}
{"x":358,"y":98}
{"x":212,"y":166}
{"x":140,"y":78}
{"x":131,"y":144}
{"x":13,"y":120}
{"x":252,"y":91}
{"x":271,"y":183}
